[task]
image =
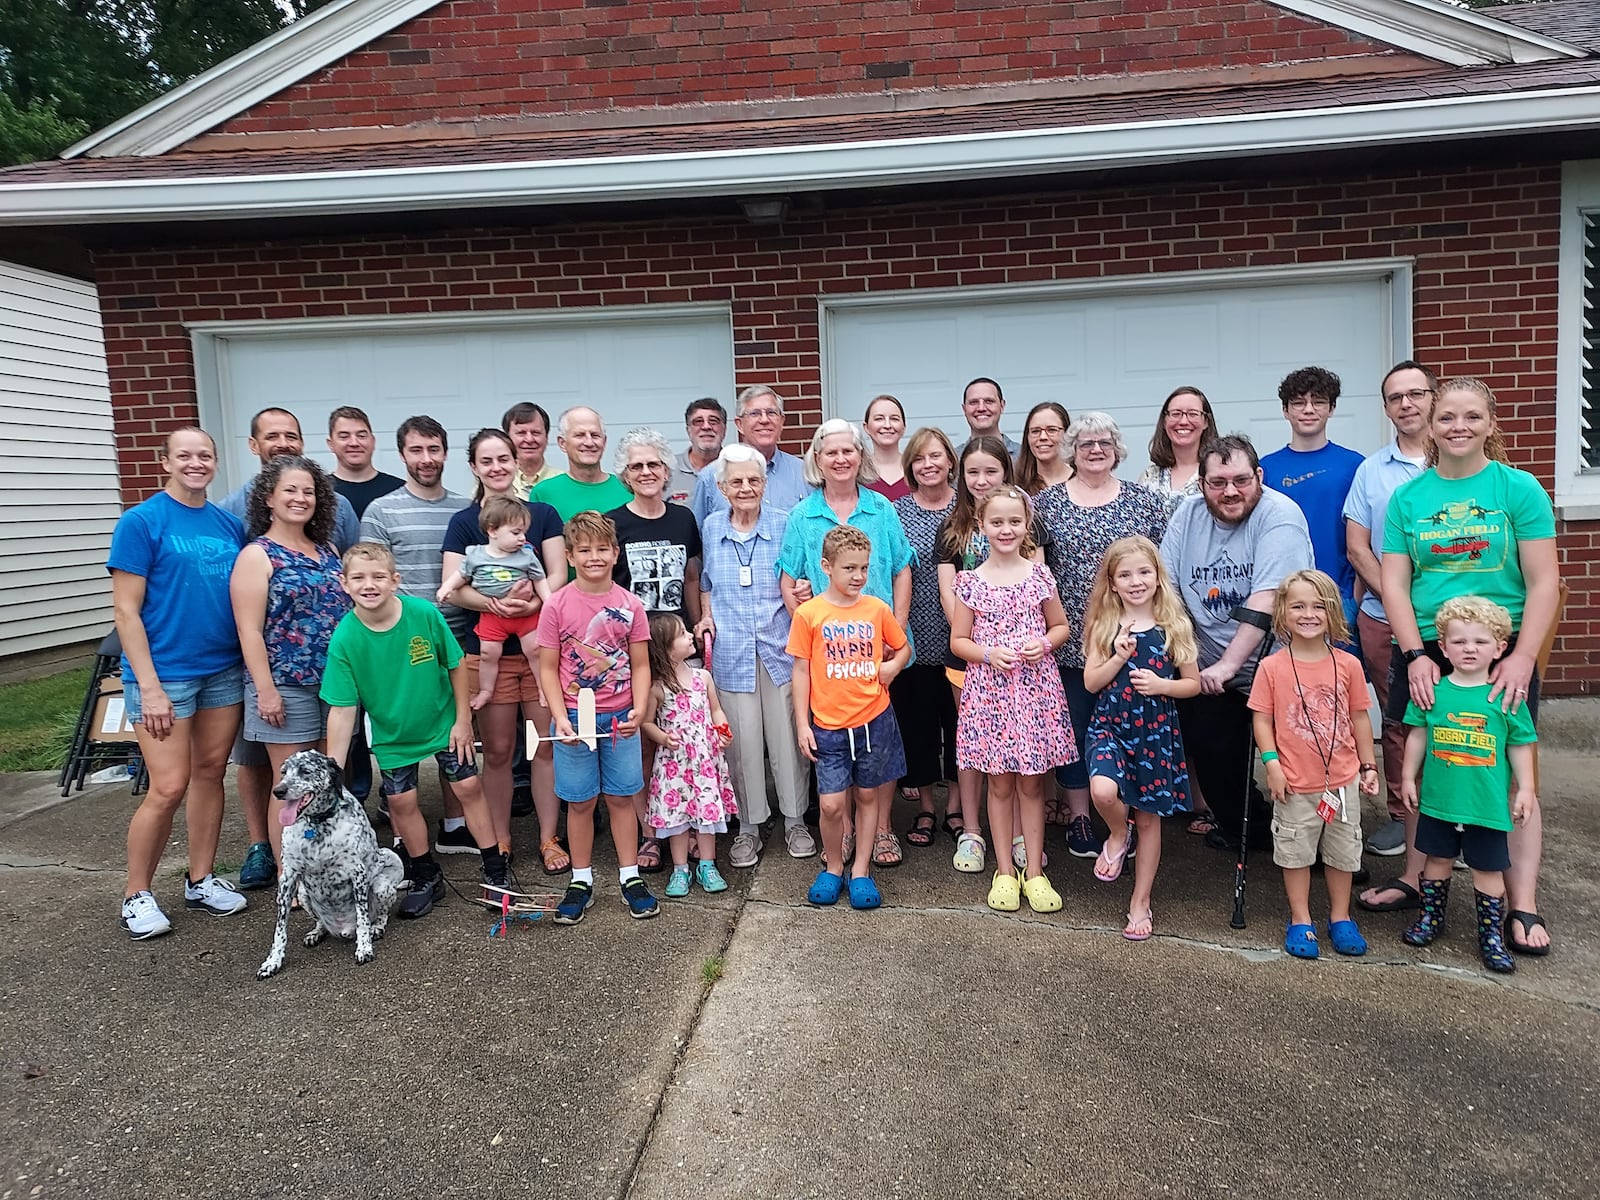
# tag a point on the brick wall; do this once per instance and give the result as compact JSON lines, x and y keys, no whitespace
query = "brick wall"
{"x":468,"y":59}
{"x":1484,"y":242}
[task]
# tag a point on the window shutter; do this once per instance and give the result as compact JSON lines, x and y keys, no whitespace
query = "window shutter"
{"x":1590,"y":303}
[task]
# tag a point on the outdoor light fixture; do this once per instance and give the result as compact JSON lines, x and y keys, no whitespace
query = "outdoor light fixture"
{"x":765,"y":210}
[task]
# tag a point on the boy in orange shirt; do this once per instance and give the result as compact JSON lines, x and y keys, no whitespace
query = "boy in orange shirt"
{"x":841,"y":707}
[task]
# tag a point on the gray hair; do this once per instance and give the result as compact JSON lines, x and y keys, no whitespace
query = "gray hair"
{"x":633,"y":440}
{"x":562,"y":421}
{"x":1093,"y":422}
{"x":865,"y":472}
{"x":755,"y":392}
{"x":738,"y":453}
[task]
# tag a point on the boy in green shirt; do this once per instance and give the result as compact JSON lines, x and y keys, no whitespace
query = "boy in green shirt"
{"x":394,"y":656}
{"x":1467,"y":749}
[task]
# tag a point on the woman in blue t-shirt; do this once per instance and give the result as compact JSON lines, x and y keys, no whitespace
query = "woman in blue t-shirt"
{"x":170,"y":561}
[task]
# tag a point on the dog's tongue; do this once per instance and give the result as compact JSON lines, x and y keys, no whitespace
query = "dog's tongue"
{"x":291,"y":812}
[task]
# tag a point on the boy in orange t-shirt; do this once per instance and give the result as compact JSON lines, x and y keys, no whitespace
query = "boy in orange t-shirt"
{"x":841,"y":707}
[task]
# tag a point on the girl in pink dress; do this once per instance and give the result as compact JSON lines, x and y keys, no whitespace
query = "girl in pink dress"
{"x":1013,"y":724}
{"x":689,"y":786}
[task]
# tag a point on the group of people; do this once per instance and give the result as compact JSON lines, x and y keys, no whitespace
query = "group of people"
{"x":887,"y":611}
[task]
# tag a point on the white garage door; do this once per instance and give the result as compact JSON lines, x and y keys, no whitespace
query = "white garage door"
{"x":1122,"y":350}
{"x":636,"y":368}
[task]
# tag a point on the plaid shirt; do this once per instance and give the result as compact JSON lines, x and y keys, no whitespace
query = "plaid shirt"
{"x":751,"y":621}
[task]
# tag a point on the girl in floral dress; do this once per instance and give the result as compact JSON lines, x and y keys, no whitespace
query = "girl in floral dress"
{"x":1013,"y":723}
{"x":689,"y":786}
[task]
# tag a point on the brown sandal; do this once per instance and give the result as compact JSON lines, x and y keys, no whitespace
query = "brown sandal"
{"x":555,"y":858}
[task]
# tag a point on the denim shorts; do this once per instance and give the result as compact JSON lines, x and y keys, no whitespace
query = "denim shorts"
{"x":867,"y":756}
{"x":305,"y":717}
{"x":404,"y":779}
{"x":188,"y":696}
{"x":613,"y":767}
{"x":1483,"y":849}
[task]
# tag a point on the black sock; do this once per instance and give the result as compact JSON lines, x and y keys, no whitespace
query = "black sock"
{"x":494,"y":860}
{"x":421,"y":867}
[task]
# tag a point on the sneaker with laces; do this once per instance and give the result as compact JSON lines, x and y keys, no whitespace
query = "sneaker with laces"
{"x":1081,"y":841}
{"x":216,"y":896}
{"x":746,"y":849}
{"x":453,"y":841}
{"x":424,"y":894}
{"x":799,"y":842}
{"x":260,"y":869}
{"x":495,"y":882}
{"x":579,"y":896}
{"x":641,"y":904}
{"x":142,"y":917}
{"x":709,"y":878}
{"x":1388,"y":840}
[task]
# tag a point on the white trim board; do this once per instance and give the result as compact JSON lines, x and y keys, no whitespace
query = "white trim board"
{"x":1577,"y":489}
{"x":1433,"y":28}
{"x":817,"y":167}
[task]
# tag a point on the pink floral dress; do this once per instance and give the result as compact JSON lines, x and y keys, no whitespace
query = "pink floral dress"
{"x":689,"y":785}
{"x":1011,"y":721}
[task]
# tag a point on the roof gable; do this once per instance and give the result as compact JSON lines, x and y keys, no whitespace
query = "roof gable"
{"x":431,"y":63}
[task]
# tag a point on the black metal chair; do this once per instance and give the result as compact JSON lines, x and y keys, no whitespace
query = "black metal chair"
{"x":89,"y":752}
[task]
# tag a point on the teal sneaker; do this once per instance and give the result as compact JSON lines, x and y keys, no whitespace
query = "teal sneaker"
{"x":678,"y":885}
{"x":710,"y":878}
{"x":260,"y":870}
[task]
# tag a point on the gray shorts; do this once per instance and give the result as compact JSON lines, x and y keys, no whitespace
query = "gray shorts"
{"x":305,"y":717}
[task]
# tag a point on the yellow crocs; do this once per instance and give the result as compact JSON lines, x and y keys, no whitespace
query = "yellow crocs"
{"x":1005,"y":894}
{"x":1042,"y":898}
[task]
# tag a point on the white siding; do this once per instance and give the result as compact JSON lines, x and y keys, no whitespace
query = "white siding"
{"x":58,"y":465}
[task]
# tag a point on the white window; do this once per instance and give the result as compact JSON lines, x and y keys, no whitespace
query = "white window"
{"x":1578,"y":345}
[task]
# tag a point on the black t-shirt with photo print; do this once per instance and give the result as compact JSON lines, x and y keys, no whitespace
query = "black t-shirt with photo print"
{"x":654,"y":553}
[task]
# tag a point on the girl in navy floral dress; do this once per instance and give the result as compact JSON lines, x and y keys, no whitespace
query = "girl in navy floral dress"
{"x":1141,"y":656}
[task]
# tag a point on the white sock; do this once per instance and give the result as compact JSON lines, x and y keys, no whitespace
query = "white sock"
{"x":583,"y":875}
{"x":451,"y":824}
{"x":627,"y":873}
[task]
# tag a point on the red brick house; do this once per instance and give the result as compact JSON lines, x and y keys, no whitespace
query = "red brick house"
{"x":448,"y":205}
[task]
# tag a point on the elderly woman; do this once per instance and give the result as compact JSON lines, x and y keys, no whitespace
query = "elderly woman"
{"x":1186,"y":423}
{"x":744,"y":626}
{"x":1084,"y":515}
{"x":1040,"y":463}
{"x":1515,"y":565}
{"x":924,"y":705}
{"x":885,"y":424}
{"x":838,"y":464}
{"x":181,"y":678}
{"x":288,"y":594}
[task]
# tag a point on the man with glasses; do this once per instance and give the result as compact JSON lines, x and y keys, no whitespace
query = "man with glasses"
{"x":759,"y":420}
{"x":982,"y":402}
{"x":1316,"y":473}
{"x":707,"y":424}
{"x":1230,"y":547}
{"x":1408,"y":391}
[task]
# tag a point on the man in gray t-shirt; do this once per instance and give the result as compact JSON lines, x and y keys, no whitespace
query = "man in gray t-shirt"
{"x":1230,"y":546}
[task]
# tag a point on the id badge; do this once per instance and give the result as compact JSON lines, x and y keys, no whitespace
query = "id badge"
{"x":1331,"y":806}
{"x":747,"y":577}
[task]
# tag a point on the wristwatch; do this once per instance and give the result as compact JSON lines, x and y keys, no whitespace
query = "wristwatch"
{"x":1411,"y":656}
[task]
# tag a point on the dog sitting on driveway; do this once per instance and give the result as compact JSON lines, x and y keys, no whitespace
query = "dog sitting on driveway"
{"x":330,"y":855}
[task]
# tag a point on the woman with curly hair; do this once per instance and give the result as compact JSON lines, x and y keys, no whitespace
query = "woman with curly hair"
{"x":287,"y":598}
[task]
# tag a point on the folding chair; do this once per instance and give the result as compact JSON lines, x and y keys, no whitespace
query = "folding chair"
{"x":103,"y":737}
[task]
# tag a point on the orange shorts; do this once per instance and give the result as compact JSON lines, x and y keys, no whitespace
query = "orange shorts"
{"x":515,"y":684}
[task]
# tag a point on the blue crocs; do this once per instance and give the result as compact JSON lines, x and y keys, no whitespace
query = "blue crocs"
{"x":1301,"y":941}
{"x":864,"y":893}
{"x":826,"y":888}
{"x":1346,"y":938}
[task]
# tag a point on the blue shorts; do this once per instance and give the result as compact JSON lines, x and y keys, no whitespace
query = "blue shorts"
{"x":188,"y":696}
{"x":1483,"y":849}
{"x":613,"y":767}
{"x":404,"y":779}
{"x":867,"y":756}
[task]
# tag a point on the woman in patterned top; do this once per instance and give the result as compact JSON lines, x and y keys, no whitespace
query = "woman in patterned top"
{"x":1186,"y":423}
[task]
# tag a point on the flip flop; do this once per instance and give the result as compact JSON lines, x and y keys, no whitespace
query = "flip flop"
{"x":1131,"y":931}
{"x":1410,"y":897}
{"x":1529,"y":922}
{"x":921,"y":831}
{"x":913,"y":794}
{"x":1108,"y":867}
{"x":1202,"y":824}
{"x":649,"y":856}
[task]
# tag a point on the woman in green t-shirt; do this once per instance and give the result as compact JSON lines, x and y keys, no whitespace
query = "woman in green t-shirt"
{"x":1470,"y":525}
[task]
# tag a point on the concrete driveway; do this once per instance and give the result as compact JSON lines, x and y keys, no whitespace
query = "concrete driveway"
{"x":748,"y":1045}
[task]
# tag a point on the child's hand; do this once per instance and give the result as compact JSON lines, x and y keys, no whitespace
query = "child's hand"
{"x":628,"y":725}
{"x":807,"y":740}
{"x":1522,"y":805}
{"x":1126,"y":644}
{"x":1408,"y":793}
{"x":1277,"y":782}
{"x":462,"y":743}
{"x":887,"y":673}
{"x":723,"y":730}
{"x":444,"y":593}
{"x":1003,"y":658}
{"x":564,"y":730}
{"x":1367,"y":782}
{"x":1147,"y":683}
{"x":1034,"y":649}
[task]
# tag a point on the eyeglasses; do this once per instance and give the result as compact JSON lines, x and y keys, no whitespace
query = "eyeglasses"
{"x":1239,"y":483}
{"x":1318,"y":403}
{"x":1415,"y":395}
{"x":1096,"y":444}
{"x":1047,"y":430}
{"x":1181,"y":414}
{"x":642,"y":467}
{"x":760,"y":414}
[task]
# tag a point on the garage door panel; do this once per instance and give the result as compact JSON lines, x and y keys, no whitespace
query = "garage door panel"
{"x":636,"y":371}
{"x":1165,"y":338}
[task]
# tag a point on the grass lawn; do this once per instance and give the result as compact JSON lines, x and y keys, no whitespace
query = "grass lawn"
{"x":36,"y":720}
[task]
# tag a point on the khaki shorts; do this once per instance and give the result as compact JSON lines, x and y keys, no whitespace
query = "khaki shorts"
{"x":514,"y":684}
{"x":1298,"y":833}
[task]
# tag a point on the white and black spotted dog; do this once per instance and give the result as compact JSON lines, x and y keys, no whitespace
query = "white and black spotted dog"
{"x":346,"y":882}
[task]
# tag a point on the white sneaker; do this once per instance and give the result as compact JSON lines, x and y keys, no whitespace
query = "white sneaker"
{"x":217,"y":896}
{"x":798,"y":840}
{"x":746,"y":849}
{"x":142,"y":917}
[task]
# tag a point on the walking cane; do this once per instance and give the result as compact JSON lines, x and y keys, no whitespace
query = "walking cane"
{"x":1263,"y":622}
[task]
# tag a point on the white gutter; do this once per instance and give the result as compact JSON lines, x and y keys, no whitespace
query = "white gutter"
{"x":819,"y":167}
{"x":1437,"y":29}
